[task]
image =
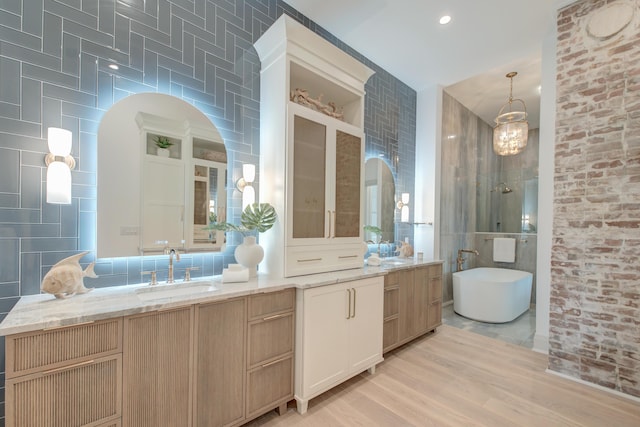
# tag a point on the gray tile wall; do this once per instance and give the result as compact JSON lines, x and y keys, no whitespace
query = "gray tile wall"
{"x":54,"y":57}
{"x":470,"y":168}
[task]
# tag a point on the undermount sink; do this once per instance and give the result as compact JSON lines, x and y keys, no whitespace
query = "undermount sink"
{"x":174,"y":290}
{"x":393,"y":262}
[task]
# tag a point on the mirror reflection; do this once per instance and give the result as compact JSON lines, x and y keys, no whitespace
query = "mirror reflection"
{"x":379,"y":199}
{"x":163,"y":159}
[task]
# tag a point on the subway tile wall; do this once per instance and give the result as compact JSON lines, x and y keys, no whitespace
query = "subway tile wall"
{"x":54,"y":57}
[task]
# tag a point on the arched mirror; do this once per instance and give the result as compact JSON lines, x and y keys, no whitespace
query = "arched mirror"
{"x":162,"y":175}
{"x":379,"y":206}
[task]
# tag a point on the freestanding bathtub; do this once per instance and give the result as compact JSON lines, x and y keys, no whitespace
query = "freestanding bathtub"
{"x":494,"y":295}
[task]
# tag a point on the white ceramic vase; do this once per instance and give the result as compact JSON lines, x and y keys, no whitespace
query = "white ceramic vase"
{"x":163,"y":152}
{"x":249,"y":254}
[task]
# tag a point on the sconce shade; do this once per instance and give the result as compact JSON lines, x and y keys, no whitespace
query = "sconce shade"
{"x":58,"y":183}
{"x":59,"y":141}
{"x":248,"y":196}
{"x":249,"y":172}
{"x":404,"y":214}
{"x":405,"y":198}
{"x":512,"y":130}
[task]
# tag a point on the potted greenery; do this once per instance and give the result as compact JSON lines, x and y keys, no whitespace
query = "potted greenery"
{"x":163,"y":143}
{"x":259,"y":217}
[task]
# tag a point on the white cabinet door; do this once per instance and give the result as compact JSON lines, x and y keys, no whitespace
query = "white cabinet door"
{"x":365,"y":324}
{"x":326,"y":338}
{"x":162,"y":203}
{"x":325,"y":181}
{"x":338,"y":335}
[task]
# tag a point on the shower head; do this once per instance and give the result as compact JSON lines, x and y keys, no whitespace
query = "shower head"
{"x":506,"y":190}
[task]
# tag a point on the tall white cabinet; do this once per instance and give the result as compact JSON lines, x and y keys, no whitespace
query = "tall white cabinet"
{"x":312,"y":151}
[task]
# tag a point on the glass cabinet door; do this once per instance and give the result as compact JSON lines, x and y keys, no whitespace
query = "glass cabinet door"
{"x":347,"y":185}
{"x":309,"y":174}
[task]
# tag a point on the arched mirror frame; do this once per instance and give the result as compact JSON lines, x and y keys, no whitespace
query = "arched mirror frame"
{"x":379,"y":200}
{"x":126,"y":155}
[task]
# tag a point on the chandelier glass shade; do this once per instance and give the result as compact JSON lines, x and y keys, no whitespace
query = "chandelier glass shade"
{"x":512,"y":129}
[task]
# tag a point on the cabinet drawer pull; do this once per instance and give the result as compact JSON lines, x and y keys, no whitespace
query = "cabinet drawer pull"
{"x":309,"y":259}
{"x":354,"y":302}
{"x":348,"y":256}
{"x":276,"y":316}
{"x":66,"y":368}
{"x":266,"y":365}
{"x":349,"y":305}
{"x":53,"y":328}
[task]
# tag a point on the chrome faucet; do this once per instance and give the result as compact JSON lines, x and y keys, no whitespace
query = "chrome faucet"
{"x":460,"y":260}
{"x":171,"y":253}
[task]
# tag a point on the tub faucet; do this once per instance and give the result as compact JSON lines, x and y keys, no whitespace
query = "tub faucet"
{"x":460,"y":260}
{"x":171,"y":253}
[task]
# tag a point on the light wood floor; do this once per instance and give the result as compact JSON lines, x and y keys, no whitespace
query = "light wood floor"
{"x":457,"y":378}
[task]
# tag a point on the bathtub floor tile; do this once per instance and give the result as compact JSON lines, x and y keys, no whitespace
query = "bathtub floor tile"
{"x":519,"y":331}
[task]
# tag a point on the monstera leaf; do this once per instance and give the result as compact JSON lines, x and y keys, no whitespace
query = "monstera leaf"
{"x":258,"y":216}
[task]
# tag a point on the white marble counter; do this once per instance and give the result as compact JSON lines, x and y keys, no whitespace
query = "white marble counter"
{"x":37,"y":312}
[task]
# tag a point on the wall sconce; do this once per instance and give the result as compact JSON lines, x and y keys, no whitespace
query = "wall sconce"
{"x":403,"y":205}
{"x":244,"y":184}
{"x":59,"y":164}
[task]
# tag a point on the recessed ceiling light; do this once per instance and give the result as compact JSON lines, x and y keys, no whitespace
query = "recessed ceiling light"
{"x":114,"y":67}
{"x":445,"y":19}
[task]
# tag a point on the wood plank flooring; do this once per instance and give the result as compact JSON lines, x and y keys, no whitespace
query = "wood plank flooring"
{"x":456,"y":378}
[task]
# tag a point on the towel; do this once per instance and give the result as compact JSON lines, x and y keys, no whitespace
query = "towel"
{"x":235,"y":273}
{"x":504,"y":249}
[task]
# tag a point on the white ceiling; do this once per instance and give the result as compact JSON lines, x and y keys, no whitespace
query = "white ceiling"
{"x":469,"y":57}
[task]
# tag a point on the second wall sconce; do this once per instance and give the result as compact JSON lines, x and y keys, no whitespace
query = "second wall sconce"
{"x":244,"y":184}
{"x":59,"y":164}
{"x":403,"y":205}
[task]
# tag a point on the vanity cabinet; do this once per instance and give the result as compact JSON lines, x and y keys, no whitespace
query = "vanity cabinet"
{"x":215,"y":364}
{"x":157,"y":351}
{"x":312,"y":151}
{"x":338,"y":335}
{"x":413,"y":304}
{"x":67,"y":376}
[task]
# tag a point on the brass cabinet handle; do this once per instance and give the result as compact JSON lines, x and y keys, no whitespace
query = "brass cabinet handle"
{"x":309,"y":259}
{"x":348,"y":256}
{"x":354,"y":302}
{"x":53,"y":328}
{"x":333,"y":221}
{"x":276,"y":316}
{"x":273,"y":362}
{"x":66,"y":368}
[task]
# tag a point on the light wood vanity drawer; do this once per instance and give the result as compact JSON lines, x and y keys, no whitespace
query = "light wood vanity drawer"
{"x":391,"y":301}
{"x":435,"y":270}
{"x":270,"y":339}
{"x":85,"y":393}
{"x":264,"y":305}
{"x":391,"y":279}
{"x":268,"y":385}
{"x":42,"y":350}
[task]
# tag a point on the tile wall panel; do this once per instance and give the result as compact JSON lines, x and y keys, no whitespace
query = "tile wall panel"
{"x":58,"y":52}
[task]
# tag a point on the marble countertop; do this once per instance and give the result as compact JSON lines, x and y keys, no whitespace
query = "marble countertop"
{"x":42,"y":311}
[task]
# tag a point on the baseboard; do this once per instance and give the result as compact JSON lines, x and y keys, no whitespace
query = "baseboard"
{"x":445,"y":304}
{"x":541,"y":344}
{"x":596,"y":386}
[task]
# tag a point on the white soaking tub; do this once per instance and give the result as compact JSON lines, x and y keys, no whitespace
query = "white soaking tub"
{"x":494,"y":295}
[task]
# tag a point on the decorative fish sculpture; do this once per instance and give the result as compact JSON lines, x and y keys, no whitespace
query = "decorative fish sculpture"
{"x":65,"y":278}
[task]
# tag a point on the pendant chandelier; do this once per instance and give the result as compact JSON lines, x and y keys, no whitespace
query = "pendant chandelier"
{"x":511,"y":131}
